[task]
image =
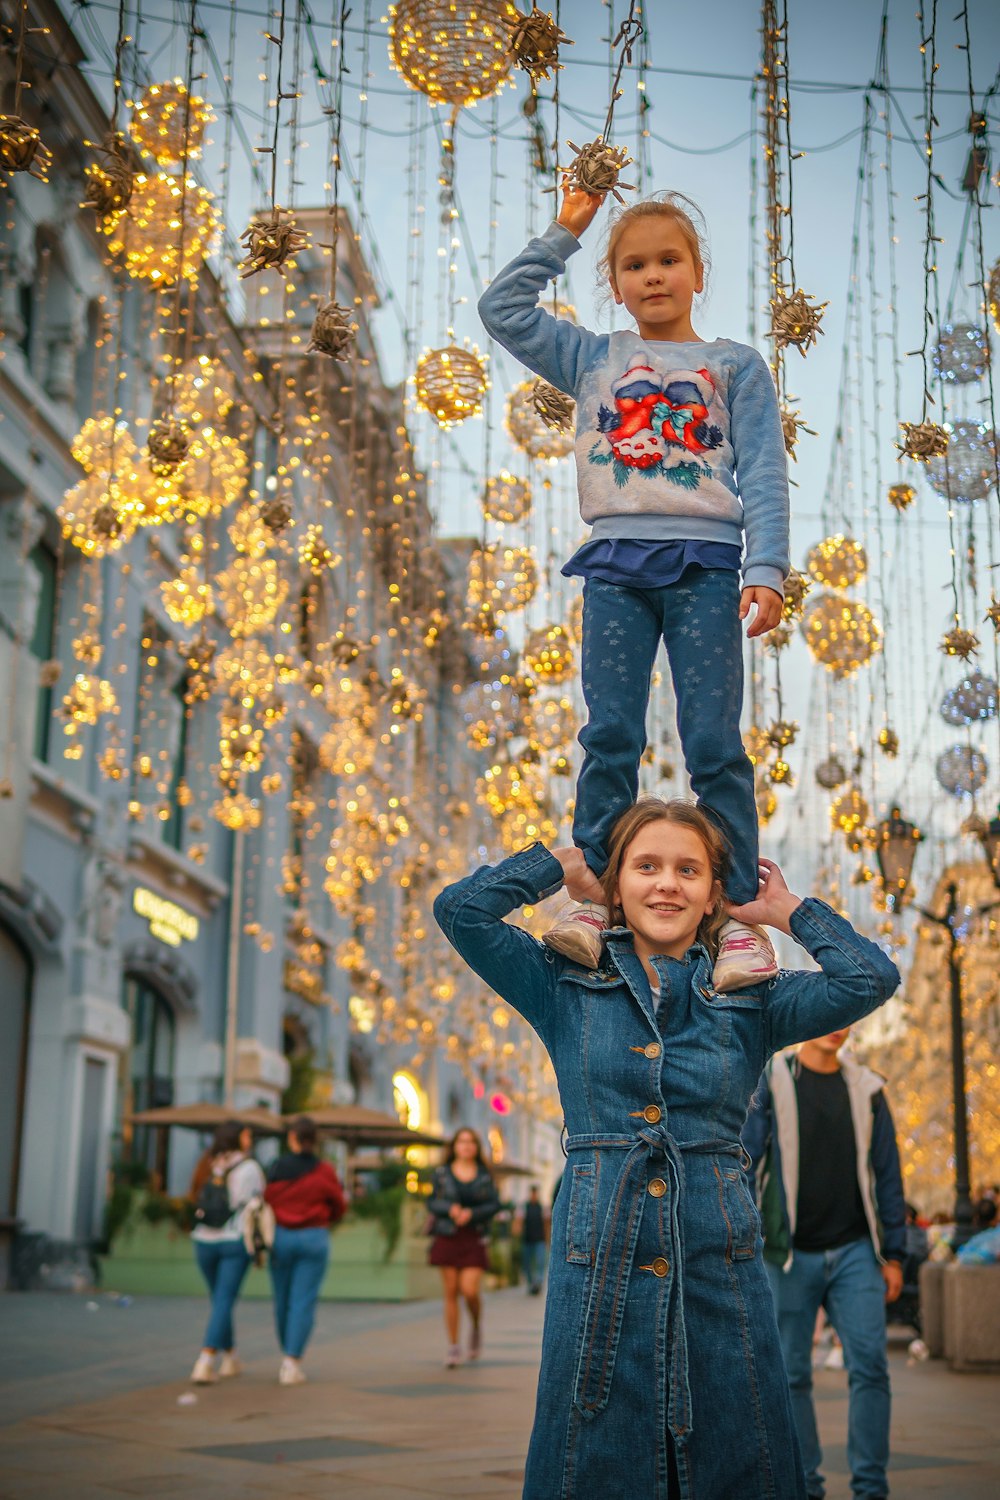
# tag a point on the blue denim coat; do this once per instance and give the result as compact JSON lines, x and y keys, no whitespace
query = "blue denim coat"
{"x":660,"y":1344}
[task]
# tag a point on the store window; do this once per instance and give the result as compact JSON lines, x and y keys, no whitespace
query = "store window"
{"x":15,"y":1017}
{"x":147,"y":1077}
{"x":43,"y":643}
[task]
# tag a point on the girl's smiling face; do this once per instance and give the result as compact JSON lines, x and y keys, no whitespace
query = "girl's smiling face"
{"x":665,"y":888}
{"x":655,"y":276}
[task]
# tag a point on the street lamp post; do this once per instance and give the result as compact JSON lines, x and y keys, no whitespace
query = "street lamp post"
{"x":895,"y":850}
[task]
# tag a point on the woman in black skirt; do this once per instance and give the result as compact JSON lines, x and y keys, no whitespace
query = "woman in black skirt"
{"x":463,"y":1201}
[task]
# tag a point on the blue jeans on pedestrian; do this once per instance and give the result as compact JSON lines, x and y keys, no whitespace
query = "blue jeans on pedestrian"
{"x":298,"y":1264}
{"x":533,"y":1261}
{"x":697,"y":618}
{"x":848,"y":1283}
{"x":223,"y":1263}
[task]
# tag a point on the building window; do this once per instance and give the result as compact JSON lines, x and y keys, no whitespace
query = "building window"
{"x":173,"y":829}
{"x":147,"y":1080}
{"x":43,"y":643}
{"x":15,"y":1017}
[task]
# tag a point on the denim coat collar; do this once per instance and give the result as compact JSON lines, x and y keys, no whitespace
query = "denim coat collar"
{"x":620,"y":943}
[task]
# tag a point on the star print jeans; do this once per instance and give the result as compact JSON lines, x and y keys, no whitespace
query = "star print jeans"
{"x":697,"y":619}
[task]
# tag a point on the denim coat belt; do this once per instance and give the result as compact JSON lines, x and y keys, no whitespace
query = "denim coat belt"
{"x":613,"y":1266}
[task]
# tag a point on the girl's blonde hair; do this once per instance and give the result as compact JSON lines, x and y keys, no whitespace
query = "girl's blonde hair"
{"x":685,"y":213}
{"x":684,"y":815}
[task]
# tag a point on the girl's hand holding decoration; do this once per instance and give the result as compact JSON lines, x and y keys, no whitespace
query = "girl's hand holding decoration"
{"x":579,"y":208}
{"x":774,"y":904}
{"x":769,"y":606}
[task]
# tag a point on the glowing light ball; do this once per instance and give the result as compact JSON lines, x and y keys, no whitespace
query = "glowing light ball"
{"x":548,"y":653}
{"x":169,"y":123}
{"x":961,"y":354}
{"x":506,"y":499}
{"x":450,"y":384}
{"x":975,"y":697}
{"x":848,"y":812}
{"x":842,"y":634}
{"x":149,"y":234}
{"x":967,"y":471}
{"x":452,"y":51}
{"x":837,"y":561}
{"x":501,"y":578}
{"x":961,"y":770}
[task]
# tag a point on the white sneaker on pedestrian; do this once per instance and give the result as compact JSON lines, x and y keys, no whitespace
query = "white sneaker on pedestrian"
{"x":453,"y":1358}
{"x":291,"y":1372}
{"x":578,"y":932}
{"x":229,"y":1365}
{"x":835,"y":1359}
{"x":745,"y":957}
{"x":204,"y":1370}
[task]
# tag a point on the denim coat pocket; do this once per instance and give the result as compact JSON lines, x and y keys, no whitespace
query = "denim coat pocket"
{"x":581,"y":1217}
{"x":738,"y":1210}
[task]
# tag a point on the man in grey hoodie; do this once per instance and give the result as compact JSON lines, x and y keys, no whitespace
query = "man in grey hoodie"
{"x":823,"y":1146}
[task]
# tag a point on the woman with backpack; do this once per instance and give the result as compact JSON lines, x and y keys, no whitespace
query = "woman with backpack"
{"x":305,"y":1194}
{"x":221,"y":1198}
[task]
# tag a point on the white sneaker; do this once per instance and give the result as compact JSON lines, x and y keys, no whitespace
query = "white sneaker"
{"x":229,"y":1365}
{"x":577,"y":933}
{"x":204,"y":1370}
{"x":835,"y":1359}
{"x":291,"y":1372}
{"x":745,"y":957}
{"x":453,"y":1358}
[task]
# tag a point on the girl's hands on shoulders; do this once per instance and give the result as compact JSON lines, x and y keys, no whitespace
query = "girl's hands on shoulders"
{"x":775,"y":903}
{"x":578,"y":208}
{"x":580,"y":881}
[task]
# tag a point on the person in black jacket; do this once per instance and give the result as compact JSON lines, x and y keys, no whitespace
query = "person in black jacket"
{"x":463,"y":1201}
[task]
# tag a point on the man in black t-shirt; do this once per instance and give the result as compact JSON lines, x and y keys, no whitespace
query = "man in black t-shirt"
{"x":823,"y":1146}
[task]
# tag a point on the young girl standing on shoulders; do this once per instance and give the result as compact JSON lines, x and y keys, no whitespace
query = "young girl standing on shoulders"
{"x":681,"y":471}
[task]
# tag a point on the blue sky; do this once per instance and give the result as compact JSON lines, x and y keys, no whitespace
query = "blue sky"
{"x":699,"y":86}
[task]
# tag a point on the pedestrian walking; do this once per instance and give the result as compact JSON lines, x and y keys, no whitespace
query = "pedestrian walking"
{"x":463,"y":1200}
{"x":680,"y":459}
{"x":533,"y":1241}
{"x":307,"y":1198}
{"x":221,"y":1198}
{"x":661,"y":1371}
{"x":821,"y":1138}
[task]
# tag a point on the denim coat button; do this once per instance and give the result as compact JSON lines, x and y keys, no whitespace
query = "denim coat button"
{"x":653,"y":1050}
{"x":652,"y":1114}
{"x":656,"y":1188}
{"x":660,"y":1266}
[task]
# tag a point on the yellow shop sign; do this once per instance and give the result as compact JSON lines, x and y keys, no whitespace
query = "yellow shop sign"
{"x":167,"y":921}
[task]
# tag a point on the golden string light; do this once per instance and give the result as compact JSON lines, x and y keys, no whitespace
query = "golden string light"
{"x":163,"y":212}
{"x":168,"y":123}
{"x":452,"y":51}
{"x":450,"y":384}
{"x":842,"y":634}
{"x":837,"y":561}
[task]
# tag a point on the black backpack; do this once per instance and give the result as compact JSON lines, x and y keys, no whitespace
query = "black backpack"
{"x":212,"y":1208}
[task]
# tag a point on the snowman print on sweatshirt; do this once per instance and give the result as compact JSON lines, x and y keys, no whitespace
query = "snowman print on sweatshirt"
{"x":659,"y":426}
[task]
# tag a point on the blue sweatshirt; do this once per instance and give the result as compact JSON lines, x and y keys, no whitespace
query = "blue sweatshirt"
{"x":674,"y":441}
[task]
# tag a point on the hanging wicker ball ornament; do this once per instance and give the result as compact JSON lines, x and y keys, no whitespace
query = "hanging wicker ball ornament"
{"x":993,"y":613}
{"x":276,"y":513}
{"x":791,"y":426}
{"x":596,"y":168}
{"x":169,"y":123}
{"x":972,"y":699}
{"x":554,"y":407}
{"x":453,"y":51}
{"x":167,"y":445}
{"x":450,"y":384}
{"x":109,"y":183}
{"x":795,"y":320}
{"x":842,"y":634}
{"x":548,"y":653}
{"x":780,"y":774}
{"x":888,"y":742}
{"x":961,"y":354}
{"x":534,"y":41}
{"x":922,"y":440}
{"x":848,"y":812}
{"x":967,"y":470}
{"x":901,"y":496}
{"x":505,"y":499}
{"x":766,"y":801}
{"x":781,"y":733}
{"x":959,"y":642}
{"x":961,"y":770}
{"x":333,"y":331}
{"x":528,"y":432}
{"x":831,"y":773}
{"x":21,"y":148}
{"x":163,"y":215}
{"x":271,"y":240}
{"x":837,"y":561}
{"x":797,"y":587}
{"x":501,"y":579}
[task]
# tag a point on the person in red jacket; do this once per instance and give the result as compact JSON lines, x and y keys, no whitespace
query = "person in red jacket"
{"x":305,"y":1193}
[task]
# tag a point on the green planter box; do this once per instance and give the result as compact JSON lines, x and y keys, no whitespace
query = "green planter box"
{"x":158,"y":1259}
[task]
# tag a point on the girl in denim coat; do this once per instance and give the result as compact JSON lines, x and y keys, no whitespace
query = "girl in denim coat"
{"x":661,"y":1374}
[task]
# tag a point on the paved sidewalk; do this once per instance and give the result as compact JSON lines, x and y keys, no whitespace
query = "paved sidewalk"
{"x":90,"y":1409}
